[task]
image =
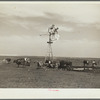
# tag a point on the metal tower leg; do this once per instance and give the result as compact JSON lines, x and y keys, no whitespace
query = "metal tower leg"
{"x":49,"y":55}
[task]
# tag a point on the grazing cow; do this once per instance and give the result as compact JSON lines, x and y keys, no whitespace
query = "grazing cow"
{"x":49,"y":64}
{"x":85,"y":63}
{"x":65,"y":65}
{"x":47,"y":61}
{"x":69,"y":65}
{"x":27,"y":61}
{"x":57,"y":64}
{"x":19,"y":62}
{"x":52,"y":64}
{"x":41,"y":65}
{"x":94,"y":64}
{"x":7,"y":60}
{"x":61,"y":66}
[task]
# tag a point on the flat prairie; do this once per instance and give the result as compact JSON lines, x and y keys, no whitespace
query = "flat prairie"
{"x":30,"y":77}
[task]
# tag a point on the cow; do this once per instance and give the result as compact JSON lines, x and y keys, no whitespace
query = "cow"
{"x":20,"y":61}
{"x":23,"y":61}
{"x":69,"y":65}
{"x":52,"y":64}
{"x":65,"y":65}
{"x":57,"y":64}
{"x":62,"y":65}
{"x":27,"y":61}
{"x":41,"y":65}
{"x":85,"y":63}
{"x":94,"y":64}
{"x":49,"y":63}
{"x":7,"y":60}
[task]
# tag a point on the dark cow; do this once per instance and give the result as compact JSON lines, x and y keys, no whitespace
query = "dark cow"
{"x":69,"y":65}
{"x":62,"y":65}
{"x":85,"y":63}
{"x":8,"y":60}
{"x":65,"y":65}
{"x":19,"y":62}
{"x":49,"y":64}
{"x":23,"y":61}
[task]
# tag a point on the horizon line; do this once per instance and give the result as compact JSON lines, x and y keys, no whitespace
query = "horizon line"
{"x":44,"y":56}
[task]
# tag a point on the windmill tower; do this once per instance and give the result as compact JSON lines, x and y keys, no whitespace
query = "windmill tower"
{"x":53,"y":36}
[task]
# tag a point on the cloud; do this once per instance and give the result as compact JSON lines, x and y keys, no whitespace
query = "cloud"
{"x":21,"y":25}
{"x":17,"y":25}
{"x":33,"y":26}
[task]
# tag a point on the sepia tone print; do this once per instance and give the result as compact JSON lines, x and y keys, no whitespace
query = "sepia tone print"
{"x":49,"y":45}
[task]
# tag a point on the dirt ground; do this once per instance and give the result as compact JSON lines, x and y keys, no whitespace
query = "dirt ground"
{"x":29,"y":77}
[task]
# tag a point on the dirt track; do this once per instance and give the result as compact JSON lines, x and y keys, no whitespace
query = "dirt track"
{"x":30,"y":77}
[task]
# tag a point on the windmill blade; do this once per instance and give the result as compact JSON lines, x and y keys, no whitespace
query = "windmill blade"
{"x":55,"y":37}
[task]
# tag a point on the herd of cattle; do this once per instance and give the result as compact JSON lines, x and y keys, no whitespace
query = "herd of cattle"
{"x":65,"y":65}
{"x":21,"y":61}
{"x":62,"y":64}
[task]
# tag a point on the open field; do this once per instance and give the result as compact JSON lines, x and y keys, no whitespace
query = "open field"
{"x":29,"y":77}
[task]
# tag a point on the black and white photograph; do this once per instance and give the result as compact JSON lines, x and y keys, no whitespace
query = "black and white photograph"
{"x":50,"y":45}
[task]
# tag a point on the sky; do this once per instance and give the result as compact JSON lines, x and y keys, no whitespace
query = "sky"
{"x":21,"y":24}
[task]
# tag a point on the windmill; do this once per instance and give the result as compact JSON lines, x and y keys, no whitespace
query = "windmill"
{"x":53,"y":36}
